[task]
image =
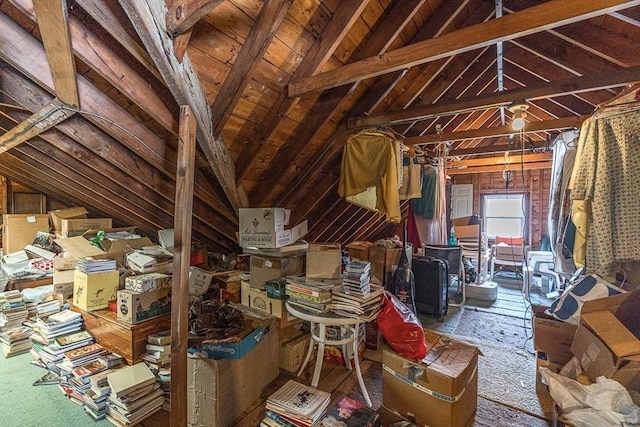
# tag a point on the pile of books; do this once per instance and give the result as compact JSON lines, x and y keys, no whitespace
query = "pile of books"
{"x":13,"y":310}
{"x":50,"y":355}
{"x":47,"y":329}
{"x":355,"y":278}
{"x":95,"y":398}
{"x":312,"y":295}
{"x":296,"y":404}
{"x":16,"y":341}
{"x":158,"y":358}
{"x":365,"y":307}
{"x":135,"y":395}
{"x":158,"y":353}
{"x":46,"y":309}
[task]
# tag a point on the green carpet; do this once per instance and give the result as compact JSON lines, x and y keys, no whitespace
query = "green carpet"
{"x":24,"y":405}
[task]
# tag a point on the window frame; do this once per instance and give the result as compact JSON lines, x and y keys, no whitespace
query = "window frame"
{"x":524,"y":223}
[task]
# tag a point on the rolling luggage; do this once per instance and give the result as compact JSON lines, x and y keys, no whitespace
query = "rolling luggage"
{"x":431,"y":277}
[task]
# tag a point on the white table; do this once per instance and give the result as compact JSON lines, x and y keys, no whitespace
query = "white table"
{"x":319,"y":323}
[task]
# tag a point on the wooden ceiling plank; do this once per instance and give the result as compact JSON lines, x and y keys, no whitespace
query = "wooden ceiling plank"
{"x":494,"y":148}
{"x":101,"y":13}
{"x":262,"y":32}
{"x":181,"y":43}
{"x":529,"y":21}
{"x":514,"y":161}
{"x":313,"y":60}
{"x":113,"y":68}
{"x":54,"y":29}
{"x":148,"y":18}
{"x":555,"y":88}
{"x":47,"y":117}
{"x":183,"y":14}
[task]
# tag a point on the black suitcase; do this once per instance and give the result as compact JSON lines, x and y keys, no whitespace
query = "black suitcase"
{"x":431,"y":277}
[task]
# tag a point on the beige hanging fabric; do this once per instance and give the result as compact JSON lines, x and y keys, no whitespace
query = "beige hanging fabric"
{"x":369,"y":176}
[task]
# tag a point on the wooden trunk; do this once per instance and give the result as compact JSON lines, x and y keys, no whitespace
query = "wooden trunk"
{"x":127,"y":340}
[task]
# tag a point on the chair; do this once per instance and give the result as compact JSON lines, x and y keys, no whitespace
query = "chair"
{"x":509,"y":251}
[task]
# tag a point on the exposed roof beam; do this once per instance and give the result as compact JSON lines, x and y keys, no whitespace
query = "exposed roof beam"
{"x":49,"y":116}
{"x":255,"y":45}
{"x":499,"y":168}
{"x":183,"y":14}
{"x":101,"y":13}
{"x":148,"y":18}
{"x":555,"y":88}
{"x":528,"y":21}
{"x":540,"y":126}
{"x":514,"y":161}
{"x":497,"y":148}
{"x":54,"y":29}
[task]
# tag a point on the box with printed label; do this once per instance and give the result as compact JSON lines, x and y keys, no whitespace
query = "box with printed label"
{"x":93,"y":291}
{"x":147,"y":282}
{"x":552,"y":336}
{"x":199,"y":281}
{"x":439,"y":391}
{"x":77,"y":226}
{"x":56,"y":217}
{"x":264,"y":228}
{"x":135,"y":307}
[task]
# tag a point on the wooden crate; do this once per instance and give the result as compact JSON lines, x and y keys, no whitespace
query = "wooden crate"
{"x":127,"y":340}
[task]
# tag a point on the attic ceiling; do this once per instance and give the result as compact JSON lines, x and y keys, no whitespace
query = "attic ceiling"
{"x":90,"y":92}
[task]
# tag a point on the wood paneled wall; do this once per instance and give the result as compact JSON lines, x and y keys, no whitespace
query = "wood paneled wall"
{"x":536,"y":183}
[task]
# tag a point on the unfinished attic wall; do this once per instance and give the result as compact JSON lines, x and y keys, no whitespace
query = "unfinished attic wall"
{"x":536,"y":182}
{"x":21,"y":199}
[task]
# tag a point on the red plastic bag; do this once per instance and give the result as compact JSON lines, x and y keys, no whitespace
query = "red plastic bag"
{"x":401,"y":328}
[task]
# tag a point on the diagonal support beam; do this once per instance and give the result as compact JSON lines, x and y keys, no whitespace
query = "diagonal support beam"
{"x":54,"y":29}
{"x":529,"y":21}
{"x":148,"y":18}
{"x":49,"y":116}
{"x":183,"y":14}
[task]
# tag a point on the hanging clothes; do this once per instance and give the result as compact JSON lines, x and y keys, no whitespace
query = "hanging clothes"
{"x":411,"y":187}
{"x":425,"y":206}
{"x":370,"y":172}
{"x":605,"y":184}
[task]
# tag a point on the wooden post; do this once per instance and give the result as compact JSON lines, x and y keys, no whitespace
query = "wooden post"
{"x":181,"y":255}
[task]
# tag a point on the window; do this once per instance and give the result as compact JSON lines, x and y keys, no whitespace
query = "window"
{"x":504,"y":215}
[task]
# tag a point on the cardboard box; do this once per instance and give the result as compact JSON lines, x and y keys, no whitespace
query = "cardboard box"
{"x":65,"y":289}
{"x":552,"y":336}
{"x":542,"y":390}
{"x":70,"y":227}
{"x":261,"y":323}
{"x":19,"y":230}
{"x":359,"y":250}
{"x":63,"y":276}
{"x":221,"y":390}
{"x":119,"y":249}
{"x":276,"y":288}
{"x":440,"y":393}
{"x":264,"y":228}
{"x":135,"y":307}
{"x":147,"y":282}
{"x":467,"y":231}
{"x":56,"y":217}
{"x":93,"y":291}
{"x":293,"y":351}
{"x":199,"y":281}
{"x":266,"y":268}
{"x":606,"y":341}
{"x":324,"y":261}
{"x":378,"y":259}
{"x":509,"y":252}
{"x":259,"y":300}
{"x":294,"y":249}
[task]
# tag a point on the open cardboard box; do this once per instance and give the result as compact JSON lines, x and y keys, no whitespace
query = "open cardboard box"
{"x":606,"y":341}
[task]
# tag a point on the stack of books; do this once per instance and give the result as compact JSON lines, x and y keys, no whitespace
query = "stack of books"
{"x":296,"y":404}
{"x":46,"y":309}
{"x":52,"y":354}
{"x":355,"y":278}
{"x":95,"y":398}
{"x":135,"y":395}
{"x":351,"y":304}
{"x":309,"y":294}
{"x":13,"y":310}
{"x":46,"y":330}
{"x":158,"y":353}
{"x":90,"y":265}
{"x":16,"y":341}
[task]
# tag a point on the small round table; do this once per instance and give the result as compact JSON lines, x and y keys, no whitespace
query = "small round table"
{"x":319,"y":323}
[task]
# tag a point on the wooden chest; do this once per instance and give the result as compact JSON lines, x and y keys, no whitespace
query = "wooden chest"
{"x":127,"y":340}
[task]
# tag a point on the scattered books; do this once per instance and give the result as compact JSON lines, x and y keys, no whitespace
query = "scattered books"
{"x":298,"y":404}
{"x":135,"y":395}
{"x":350,"y":412}
{"x":48,"y":378}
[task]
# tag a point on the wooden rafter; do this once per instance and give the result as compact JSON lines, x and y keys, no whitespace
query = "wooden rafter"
{"x":54,"y":28}
{"x":547,"y":125}
{"x":49,"y":116}
{"x":529,"y":21}
{"x":262,"y":32}
{"x":499,"y":168}
{"x":514,"y":160}
{"x":183,"y":14}
{"x":148,"y":18}
{"x":555,"y":88}
{"x":497,"y":148}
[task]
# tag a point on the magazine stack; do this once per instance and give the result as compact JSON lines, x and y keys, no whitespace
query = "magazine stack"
{"x":158,"y":358}
{"x":135,"y":395}
{"x":16,"y":341}
{"x":355,"y":279}
{"x":351,"y":304}
{"x":296,"y":405}
{"x":13,"y":310}
{"x":311,"y":295}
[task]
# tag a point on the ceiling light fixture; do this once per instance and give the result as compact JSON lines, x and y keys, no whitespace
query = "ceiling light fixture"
{"x":519,"y":111}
